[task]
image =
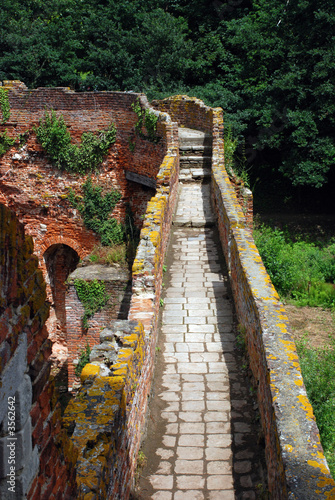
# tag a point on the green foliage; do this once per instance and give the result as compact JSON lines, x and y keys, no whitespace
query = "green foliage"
{"x":270,"y":66}
{"x":93,"y":296}
{"x":298,"y":270}
{"x":318,"y":370}
{"x":230,"y":145}
{"x":95,"y":210}
{"x":6,"y":142}
{"x":54,"y":137}
{"x":84,"y":358}
{"x":145,"y":119}
{"x":4,"y":105}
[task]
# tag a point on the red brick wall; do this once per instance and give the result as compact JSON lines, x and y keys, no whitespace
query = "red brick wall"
{"x":44,"y":459}
{"x":38,"y":193}
{"x":77,"y":336}
{"x":188,"y":112}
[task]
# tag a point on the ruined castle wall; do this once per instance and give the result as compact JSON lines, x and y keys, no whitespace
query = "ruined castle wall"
{"x":192,"y":113}
{"x":296,"y":464}
{"x":36,"y":457}
{"x":39,"y":193}
{"x":113,"y":441}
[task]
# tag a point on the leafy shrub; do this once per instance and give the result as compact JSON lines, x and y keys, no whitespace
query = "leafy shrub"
{"x":55,"y":138}
{"x":318,"y":369}
{"x":95,"y":210}
{"x":6,"y":142}
{"x":93,"y":296}
{"x":145,"y":119}
{"x":298,"y":270}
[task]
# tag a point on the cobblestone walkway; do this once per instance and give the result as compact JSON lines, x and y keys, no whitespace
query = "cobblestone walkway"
{"x":201,"y":441}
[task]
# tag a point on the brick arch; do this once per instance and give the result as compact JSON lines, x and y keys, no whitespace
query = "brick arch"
{"x":63,"y":240}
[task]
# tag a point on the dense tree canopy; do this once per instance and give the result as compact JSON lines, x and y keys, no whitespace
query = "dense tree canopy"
{"x":269,"y":65}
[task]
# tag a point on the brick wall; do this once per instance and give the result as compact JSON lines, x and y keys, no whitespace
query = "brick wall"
{"x":124,"y":385}
{"x":38,"y":193}
{"x":116,"y":285}
{"x":40,"y":453}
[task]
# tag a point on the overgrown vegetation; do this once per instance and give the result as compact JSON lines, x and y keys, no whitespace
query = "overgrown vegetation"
{"x":301,"y":271}
{"x":84,"y":358}
{"x":93,"y":296}
{"x":318,"y":369}
{"x":96,"y":208}
{"x":253,"y":59}
{"x":53,"y":135}
{"x":6,"y":142}
{"x":116,"y":254}
{"x":4,"y":105}
{"x":145,"y":120}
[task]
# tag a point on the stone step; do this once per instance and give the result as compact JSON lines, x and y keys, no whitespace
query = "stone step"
{"x":195,"y":160}
{"x":190,"y":137}
{"x":197,"y":151}
{"x":194,"y":222}
{"x":193,"y":174}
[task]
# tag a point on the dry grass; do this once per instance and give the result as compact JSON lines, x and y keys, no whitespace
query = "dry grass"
{"x":315,"y":323}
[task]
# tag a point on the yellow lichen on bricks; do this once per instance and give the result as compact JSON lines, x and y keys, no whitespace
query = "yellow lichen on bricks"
{"x":306,"y":406}
{"x":88,"y":371}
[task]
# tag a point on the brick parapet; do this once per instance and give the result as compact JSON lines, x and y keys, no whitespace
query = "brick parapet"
{"x":296,"y":464}
{"x":25,"y":375}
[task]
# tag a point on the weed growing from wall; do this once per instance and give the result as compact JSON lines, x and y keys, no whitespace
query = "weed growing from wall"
{"x":4,"y":105}
{"x":147,"y":120}
{"x":93,"y":296}
{"x":84,"y":358}
{"x":95,"y":210}
{"x":6,"y":142}
{"x":55,"y":138}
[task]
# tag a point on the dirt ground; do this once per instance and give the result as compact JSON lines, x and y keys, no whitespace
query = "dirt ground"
{"x":313,"y":323}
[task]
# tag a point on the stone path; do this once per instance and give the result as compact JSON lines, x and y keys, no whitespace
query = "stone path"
{"x":202,"y":439}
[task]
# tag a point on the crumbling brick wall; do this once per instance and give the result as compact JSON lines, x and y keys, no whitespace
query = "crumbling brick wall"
{"x":38,"y":192}
{"x":36,"y":458}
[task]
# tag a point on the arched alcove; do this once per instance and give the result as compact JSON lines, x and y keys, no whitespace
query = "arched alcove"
{"x":60,"y":260}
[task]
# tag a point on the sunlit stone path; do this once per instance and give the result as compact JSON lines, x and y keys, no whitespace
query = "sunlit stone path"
{"x":203,"y":440}
{"x":201,"y":412}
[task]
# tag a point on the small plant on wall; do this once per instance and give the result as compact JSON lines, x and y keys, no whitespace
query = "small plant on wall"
{"x":84,"y":358}
{"x":93,"y":296}
{"x":96,"y":208}
{"x":147,"y":120}
{"x":54,"y":137}
{"x":6,"y":142}
{"x":4,"y":105}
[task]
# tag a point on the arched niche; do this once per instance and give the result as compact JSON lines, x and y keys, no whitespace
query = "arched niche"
{"x":60,"y":261}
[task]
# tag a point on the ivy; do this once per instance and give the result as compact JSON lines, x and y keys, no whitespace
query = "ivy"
{"x":53,"y":135}
{"x":83,"y":360}
{"x":4,"y":105}
{"x":6,"y":142}
{"x":147,"y":120}
{"x":95,"y":210}
{"x":93,"y":296}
